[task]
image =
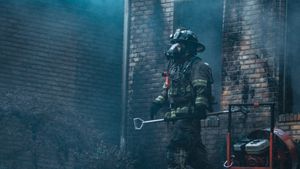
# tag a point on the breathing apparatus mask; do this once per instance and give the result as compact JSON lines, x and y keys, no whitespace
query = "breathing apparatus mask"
{"x":176,"y":51}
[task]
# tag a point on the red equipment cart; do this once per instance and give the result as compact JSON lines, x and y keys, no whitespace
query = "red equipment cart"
{"x":283,"y":153}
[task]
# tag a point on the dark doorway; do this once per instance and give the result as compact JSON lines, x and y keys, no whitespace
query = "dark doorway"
{"x":292,"y":60}
{"x":205,"y":19}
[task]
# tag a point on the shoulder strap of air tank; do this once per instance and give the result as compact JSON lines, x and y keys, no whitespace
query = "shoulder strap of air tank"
{"x":193,"y":59}
{"x":190,"y":63}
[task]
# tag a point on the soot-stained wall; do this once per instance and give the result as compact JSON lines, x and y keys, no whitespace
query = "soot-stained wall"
{"x":58,"y":57}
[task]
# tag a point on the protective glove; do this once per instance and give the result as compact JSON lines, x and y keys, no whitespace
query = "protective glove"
{"x":154,"y":109}
{"x":170,"y":116}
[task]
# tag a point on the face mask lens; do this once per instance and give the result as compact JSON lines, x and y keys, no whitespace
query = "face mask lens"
{"x":174,"y":52}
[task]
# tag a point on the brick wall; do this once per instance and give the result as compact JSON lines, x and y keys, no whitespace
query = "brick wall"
{"x":66,"y":54}
{"x":291,"y":124}
{"x":250,"y":51}
{"x":150,"y":26}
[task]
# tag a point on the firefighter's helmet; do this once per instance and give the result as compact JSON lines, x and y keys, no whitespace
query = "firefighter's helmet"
{"x":186,"y":36}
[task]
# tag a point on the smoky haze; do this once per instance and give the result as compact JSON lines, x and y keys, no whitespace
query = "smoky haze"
{"x":74,"y":35}
{"x":60,"y":80}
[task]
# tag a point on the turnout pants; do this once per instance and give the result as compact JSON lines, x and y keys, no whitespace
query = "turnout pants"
{"x":185,"y":149}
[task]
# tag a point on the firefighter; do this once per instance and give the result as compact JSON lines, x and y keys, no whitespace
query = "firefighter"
{"x":187,"y":92}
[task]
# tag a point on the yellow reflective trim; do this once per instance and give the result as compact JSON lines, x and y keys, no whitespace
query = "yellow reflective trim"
{"x":173,"y":113}
{"x":199,"y":82}
{"x":201,"y":100}
{"x":182,"y":110}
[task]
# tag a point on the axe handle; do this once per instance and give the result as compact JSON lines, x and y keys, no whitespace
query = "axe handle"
{"x":153,"y":121}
